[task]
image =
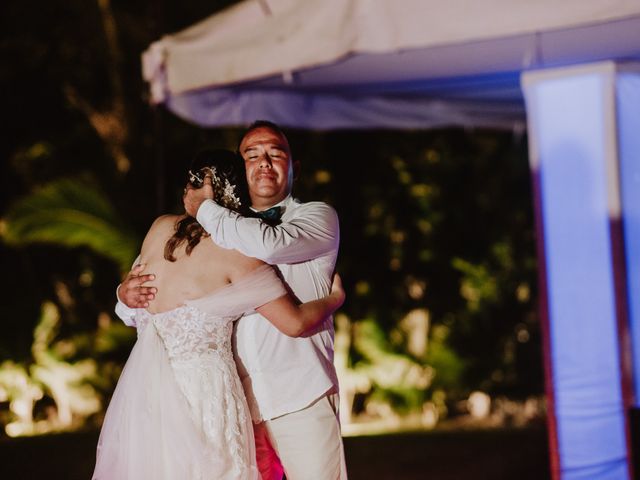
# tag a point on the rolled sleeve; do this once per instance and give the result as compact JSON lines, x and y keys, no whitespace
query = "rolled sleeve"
{"x":311,"y":232}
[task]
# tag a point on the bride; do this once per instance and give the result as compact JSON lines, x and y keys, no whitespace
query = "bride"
{"x":179,"y":411}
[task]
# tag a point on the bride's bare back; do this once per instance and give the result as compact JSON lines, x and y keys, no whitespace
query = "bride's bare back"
{"x":208,"y":267}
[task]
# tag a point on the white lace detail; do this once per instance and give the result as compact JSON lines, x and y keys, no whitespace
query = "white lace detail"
{"x":199,"y":348}
{"x":189,"y":333}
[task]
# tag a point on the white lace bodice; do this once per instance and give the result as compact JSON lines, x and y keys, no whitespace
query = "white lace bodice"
{"x":189,"y":333}
{"x":198,"y":345}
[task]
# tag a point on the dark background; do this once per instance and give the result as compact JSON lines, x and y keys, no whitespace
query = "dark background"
{"x":439,"y":220}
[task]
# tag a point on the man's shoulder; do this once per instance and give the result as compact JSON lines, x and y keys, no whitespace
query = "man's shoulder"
{"x":312,"y":207}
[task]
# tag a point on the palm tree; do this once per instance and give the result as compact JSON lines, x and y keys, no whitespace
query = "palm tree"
{"x":71,"y":213}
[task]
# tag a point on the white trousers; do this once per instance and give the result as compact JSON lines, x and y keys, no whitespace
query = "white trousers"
{"x":304,"y":445}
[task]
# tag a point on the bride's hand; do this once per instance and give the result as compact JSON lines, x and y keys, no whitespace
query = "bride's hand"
{"x":337,"y":290}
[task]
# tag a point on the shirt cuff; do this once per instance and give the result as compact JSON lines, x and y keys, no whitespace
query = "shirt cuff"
{"x":207,"y":210}
{"x":126,"y":314}
{"x":207,"y":213}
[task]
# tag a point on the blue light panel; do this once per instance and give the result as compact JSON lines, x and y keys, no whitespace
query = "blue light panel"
{"x":571,"y":141}
{"x":628,"y":111}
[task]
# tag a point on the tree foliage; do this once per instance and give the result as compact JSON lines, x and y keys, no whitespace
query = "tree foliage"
{"x":436,"y":222}
{"x":71,"y":213}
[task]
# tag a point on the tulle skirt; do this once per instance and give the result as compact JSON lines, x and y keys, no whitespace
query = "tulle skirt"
{"x":148,"y":432}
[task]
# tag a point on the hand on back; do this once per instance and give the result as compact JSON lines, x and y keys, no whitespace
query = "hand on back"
{"x":133,"y":292}
{"x":337,"y":290}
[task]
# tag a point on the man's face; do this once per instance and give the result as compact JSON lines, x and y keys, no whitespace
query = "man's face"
{"x":270,"y":169}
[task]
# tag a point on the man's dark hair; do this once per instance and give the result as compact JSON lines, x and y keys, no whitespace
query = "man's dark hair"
{"x":262,"y":124}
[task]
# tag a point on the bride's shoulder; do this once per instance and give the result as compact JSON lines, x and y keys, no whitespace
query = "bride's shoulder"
{"x":164,"y":223}
{"x":167,"y":220}
{"x":162,"y":227}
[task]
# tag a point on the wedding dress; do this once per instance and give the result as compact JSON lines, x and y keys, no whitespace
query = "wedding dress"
{"x":179,"y":410}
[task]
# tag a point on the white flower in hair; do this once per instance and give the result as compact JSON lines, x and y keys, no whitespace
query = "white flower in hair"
{"x":229,"y":195}
{"x":224,"y":195}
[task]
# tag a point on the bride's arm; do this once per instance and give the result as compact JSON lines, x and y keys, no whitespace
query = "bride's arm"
{"x":293,"y":320}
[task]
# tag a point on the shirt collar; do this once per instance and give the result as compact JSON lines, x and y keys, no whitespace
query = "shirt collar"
{"x":283,"y":203}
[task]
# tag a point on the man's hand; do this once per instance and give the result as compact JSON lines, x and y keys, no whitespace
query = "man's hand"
{"x":193,"y":197}
{"x":132,"y":292}
{"x":337,"y":291}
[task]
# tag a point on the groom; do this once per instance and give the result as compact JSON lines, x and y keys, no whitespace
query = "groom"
{"x":290,"y":383}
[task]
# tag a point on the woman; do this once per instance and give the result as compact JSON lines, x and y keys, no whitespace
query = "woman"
{"x":179,"y":411}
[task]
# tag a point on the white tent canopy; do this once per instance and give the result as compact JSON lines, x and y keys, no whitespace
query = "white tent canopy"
{"x":379,"y":63}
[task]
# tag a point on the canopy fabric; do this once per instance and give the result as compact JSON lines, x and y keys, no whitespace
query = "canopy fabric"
{"x":325,"y":111}
{"x":379,"y":63}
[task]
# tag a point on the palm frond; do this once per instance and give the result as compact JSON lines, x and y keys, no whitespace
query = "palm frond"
{"x":71,"y":213}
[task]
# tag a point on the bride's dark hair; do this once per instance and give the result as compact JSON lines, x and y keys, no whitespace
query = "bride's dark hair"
{"x":229,"y":189}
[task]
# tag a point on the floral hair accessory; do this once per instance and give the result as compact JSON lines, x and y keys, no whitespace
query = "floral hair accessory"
{"x":223,"y":193}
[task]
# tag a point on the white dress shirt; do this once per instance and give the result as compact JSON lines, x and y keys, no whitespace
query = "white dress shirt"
{"x":281,"y":374}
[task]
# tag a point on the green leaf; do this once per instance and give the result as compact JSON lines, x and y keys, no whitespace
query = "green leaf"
{"x":71,"y":213}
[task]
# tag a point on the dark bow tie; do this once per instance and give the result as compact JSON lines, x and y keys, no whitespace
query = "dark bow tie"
{"x":273,"y":213}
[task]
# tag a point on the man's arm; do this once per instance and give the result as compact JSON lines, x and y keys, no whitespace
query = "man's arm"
{"x":126,"y":314}
{"x":295,"y":319}
{"x":133,"y":294}
{"x":311,"y":233}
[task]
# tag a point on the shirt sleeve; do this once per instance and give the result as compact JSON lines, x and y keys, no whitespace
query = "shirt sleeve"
{"x":313,"y":231}
{"x":126,"y":314}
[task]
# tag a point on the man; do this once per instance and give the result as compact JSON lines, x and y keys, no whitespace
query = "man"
{"x":290,"y":383}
